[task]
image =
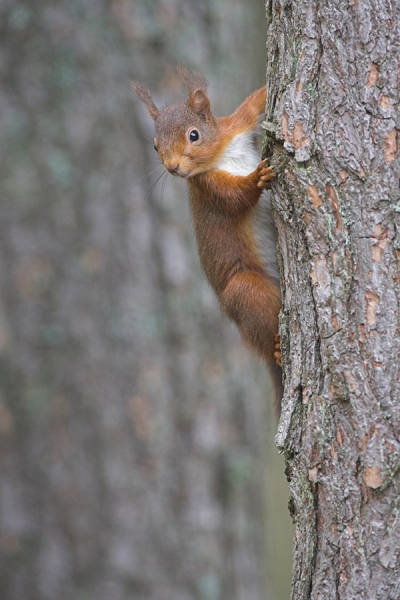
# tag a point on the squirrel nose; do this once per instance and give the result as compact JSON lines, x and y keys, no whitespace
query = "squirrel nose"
{"x":173,"y":167}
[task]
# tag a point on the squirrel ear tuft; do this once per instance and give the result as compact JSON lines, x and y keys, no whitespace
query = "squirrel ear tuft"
{"x":197,"y":86}
{"x":145,"y":95}
{"x":193,"y":80}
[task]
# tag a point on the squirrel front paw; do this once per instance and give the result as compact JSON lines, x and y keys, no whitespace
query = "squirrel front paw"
{"x":265,"y":174}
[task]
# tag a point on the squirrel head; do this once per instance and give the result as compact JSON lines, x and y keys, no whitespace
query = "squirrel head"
{"x":186,"y":132}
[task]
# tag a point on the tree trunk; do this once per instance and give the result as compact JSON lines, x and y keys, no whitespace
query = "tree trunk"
{"x":331,"y":120}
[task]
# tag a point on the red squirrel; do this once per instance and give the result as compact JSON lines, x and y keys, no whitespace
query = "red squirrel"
{"x":218,"y":158}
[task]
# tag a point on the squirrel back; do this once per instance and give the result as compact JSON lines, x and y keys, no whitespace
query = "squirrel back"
{"x":230,"y":207}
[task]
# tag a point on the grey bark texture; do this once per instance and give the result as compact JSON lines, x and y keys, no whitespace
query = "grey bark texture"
{"x":332,"y":119}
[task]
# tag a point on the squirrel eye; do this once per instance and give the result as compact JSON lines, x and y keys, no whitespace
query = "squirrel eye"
{"x":194,"y":135}
{"x":155,"y":148}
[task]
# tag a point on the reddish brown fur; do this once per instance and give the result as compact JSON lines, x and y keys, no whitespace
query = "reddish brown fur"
{"x":231,"y":261}
{"x":221,"y":204}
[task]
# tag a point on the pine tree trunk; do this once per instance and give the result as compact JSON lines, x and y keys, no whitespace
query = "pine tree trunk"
{"x":332,"y":84}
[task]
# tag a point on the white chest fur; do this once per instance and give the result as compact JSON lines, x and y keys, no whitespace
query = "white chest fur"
{"x":240,"y":156}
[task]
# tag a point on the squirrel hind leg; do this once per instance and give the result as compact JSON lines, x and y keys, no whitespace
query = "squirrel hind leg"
{"x":253,"y":302}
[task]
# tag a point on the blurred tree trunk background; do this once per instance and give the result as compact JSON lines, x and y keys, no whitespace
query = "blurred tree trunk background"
{"x":132,"y":421}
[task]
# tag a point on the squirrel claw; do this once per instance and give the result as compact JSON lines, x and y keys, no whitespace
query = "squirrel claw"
{"x":265,"y":174}
{"x":278,"y":353}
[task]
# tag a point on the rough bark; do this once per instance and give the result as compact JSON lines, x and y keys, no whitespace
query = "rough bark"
{"x":332,"y":80}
